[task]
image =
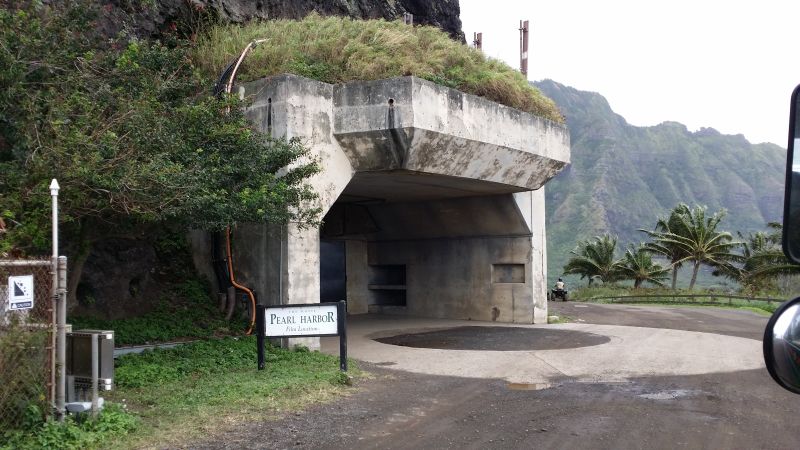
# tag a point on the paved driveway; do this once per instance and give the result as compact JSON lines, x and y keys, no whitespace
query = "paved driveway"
{"x":610,"y":353}
{"x":731,"y":322}
{"x":699,"y":384}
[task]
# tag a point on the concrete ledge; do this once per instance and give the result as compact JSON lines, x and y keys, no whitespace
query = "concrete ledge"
{"x":413,"y":124}
{"x":631,"y":352}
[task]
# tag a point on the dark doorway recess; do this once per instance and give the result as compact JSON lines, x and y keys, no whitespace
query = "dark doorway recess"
{"x":332,"y":271}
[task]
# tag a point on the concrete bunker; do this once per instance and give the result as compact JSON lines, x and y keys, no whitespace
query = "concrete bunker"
{"x":433,"y":201}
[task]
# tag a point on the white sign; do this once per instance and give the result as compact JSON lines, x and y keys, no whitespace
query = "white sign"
{"x":301,"y":320}
{"x":20,"y":292}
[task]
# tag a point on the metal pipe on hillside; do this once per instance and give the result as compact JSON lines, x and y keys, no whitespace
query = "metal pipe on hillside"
{"x":228,"y":88}
{"x":61,"y":351}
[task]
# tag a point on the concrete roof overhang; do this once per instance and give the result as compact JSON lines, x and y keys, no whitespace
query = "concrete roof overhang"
{"x":436,"y":142}
{"x":407,"y":139}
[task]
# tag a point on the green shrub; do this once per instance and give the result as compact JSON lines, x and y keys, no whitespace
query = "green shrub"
{"x":218,"y":356}
{"x":89,"y":433}
{"x":186,"y":313}
{"x":198,"y":358}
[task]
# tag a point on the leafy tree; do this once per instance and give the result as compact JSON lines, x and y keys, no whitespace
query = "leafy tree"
{"x":761,"y":261}
{"x":132,"y":136}
{"x":695,"y":236}
{"x":594,"y":259}
{"x":674,"y":253}
{"x":637,"y":265}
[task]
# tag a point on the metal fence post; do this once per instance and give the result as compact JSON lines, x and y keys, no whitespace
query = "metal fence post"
{"x":55,"y":390}
{"x":54,"y":188}
{"x":95,"y":374}
{"x":53,"y":334}
{"x":61,"y":351}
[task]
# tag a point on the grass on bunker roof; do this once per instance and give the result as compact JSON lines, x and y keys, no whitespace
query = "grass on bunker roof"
{"x":337,"y":49}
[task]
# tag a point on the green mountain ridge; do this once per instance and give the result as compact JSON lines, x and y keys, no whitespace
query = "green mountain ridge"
{"x":623,"y":177}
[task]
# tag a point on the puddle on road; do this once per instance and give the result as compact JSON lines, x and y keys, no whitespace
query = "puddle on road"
{"x":528,"y":386}
{"x":668,"y":395}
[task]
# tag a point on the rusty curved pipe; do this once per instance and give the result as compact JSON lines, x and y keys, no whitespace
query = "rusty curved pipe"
{"x":229,"y":253}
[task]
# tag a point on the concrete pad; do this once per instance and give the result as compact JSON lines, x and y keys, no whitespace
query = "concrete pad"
{"x":631,"y":352}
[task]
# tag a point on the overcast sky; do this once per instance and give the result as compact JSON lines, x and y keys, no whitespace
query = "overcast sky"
{"x":730,"y":65}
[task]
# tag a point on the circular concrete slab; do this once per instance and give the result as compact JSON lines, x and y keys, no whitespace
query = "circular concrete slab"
{"x":497,"y":339}
{"x":629,"y":352}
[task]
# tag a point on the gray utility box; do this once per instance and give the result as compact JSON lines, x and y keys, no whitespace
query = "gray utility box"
{"x":79,"y":359}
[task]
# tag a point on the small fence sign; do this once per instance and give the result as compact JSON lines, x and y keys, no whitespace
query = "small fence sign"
{"x":304,"y":320}
{"x":20,"y":292}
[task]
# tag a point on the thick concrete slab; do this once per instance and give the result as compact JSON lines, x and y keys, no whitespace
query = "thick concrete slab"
{"x":414,"y":124}
{"x":631,"y":352}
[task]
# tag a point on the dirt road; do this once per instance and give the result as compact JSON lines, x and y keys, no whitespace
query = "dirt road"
{"x":398,"y":409}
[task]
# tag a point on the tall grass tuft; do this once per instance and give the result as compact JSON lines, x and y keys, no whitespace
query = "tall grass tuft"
{"x":336,"y":50}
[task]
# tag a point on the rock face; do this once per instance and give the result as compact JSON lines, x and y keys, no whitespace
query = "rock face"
{"x":185,"y":14}
{"x":118,"y":279}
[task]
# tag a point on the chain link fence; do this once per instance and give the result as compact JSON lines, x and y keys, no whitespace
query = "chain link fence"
{"x":27,"y":337}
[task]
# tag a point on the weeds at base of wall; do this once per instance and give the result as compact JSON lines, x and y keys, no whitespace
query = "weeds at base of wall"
{"x":187,"y":313}
{"x":74,"y":433}
{"x":167,"y":397}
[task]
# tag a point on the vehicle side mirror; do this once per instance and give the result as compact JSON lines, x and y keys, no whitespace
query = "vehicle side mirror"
{"x":791,"y":205}
{"x":782,"y":345}
{"x":782,"y":336}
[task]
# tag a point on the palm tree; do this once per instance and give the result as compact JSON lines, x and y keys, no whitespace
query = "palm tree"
{"x":695,"y":236}
{"x":762,"y":260}
{"x":594,"y":259}
{"x":637,"y":264}
{"x":674,"y":253}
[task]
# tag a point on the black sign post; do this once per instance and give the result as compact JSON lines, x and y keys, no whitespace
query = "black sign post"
{"x":260,"y":316}
{"x":342,"y":322}
{"x":304,"y":320}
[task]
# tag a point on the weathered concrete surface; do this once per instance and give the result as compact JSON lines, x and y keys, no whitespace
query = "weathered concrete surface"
{"x":454,"y":278}
{"x":414,"y":175}
{"x":357,"y":277}
{"x":414,"y":124}
{"x":631,"y":352}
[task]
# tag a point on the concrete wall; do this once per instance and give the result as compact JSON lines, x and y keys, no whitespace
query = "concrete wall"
{"x":474,"y":257}
{"x":447,"y":179}
{"x":358,"y":274}
{"x":290,"y":106}
{"x":458,"y":278}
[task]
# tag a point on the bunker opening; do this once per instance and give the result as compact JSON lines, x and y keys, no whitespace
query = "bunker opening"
{"x":401,"y":242}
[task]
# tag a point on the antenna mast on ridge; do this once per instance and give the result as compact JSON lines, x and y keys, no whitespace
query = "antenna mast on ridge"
{"x":523,"y":47}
